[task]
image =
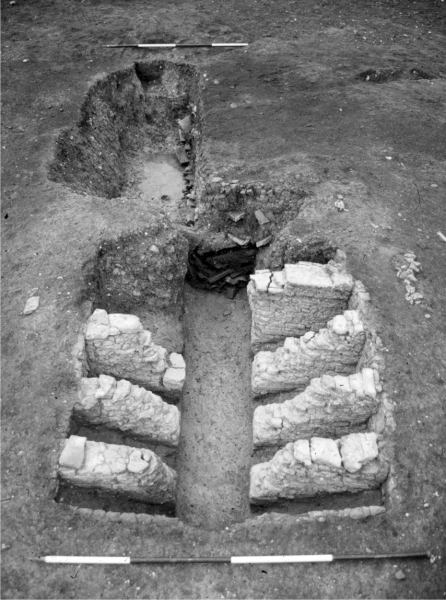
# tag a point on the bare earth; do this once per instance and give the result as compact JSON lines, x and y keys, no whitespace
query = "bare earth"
{"x":289,"y":106}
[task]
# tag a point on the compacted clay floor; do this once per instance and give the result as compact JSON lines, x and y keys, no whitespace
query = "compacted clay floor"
{"x":289,"y":107}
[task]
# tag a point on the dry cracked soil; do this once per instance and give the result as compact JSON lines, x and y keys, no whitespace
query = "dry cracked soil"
{"x":294,"y":106}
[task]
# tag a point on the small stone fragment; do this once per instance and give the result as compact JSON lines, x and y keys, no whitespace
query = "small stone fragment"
{"x":182,"y":157}
{"x":261,"y":279}
{"x":261,"y":218}
{"x":177,"y":361}
{"x":239,"y":241}
{"x":97,"y":325}
{"x":301,"y":452}
{"x":339,"y":325}
{"x":125,"y":323}
{"x":400,"y":575}
{"x":339,"y":204}
{"x":264,"y":242}
{"x":174,"y":379}
{"x":357,"y":449}
{"x":236,"y":216}
{"x":32,"y":304}
{"x":136,"y":463}
{"x":185,"y":123}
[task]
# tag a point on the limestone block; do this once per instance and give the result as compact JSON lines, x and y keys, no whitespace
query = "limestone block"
{"x":324,"y":451}
{"x":137,"y":473}
{"x":118,"y":345}
{"x":299,"y":360}
{"x":72,"y":455}
{"x":358,"y":450}
{"x":173,"y":379}
{"x":301,"y":297}
{"x":328,"y":406}
{"x":177,"y":361}
{"x":129,"y":408}
{"x":290,"y":475}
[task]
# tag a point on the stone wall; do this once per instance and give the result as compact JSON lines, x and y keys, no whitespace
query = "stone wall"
{"x":301,"y":297}
{"x":137,"y":473}
{"x":307,"y":468}
{"x":118,"y":345}
{"x":128,"y":408}
{"x":333,"y":350}
{"x":329,"y":406}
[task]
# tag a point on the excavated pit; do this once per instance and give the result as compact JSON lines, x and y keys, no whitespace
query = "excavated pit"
{"x":128,"y":121}
{"x":170,"y":294}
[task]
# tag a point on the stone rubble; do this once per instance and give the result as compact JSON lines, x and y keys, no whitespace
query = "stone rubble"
{"x":328,"y":406}
{"x":129,"y":408}
{"x":333,"y":350}
{"x":306,"y":468}
{"x":299,"y":298}
{"x":406,"y":270}
{"x":118,"y":345}
{"x":137,"y":473}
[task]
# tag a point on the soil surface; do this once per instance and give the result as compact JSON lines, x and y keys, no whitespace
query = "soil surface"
{"x":214,"y":454}
{"x":292,"y":107}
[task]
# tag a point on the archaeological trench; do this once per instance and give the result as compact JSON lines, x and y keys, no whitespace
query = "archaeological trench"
{"x":224,"y":370}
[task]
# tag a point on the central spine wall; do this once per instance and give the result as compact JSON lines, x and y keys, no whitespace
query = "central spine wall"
{"x":216,"y":414}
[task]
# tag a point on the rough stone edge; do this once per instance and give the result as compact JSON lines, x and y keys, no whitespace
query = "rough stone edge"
{"x":311,"y":516}
{"x":129,"y":518}
{"x":79,"y":352}
{"x":382,"y":422}
{"x":357,"y":513}
{"x":80,"y":369}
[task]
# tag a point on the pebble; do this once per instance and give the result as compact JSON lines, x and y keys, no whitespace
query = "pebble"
{"x":31,"y":305}
{"x":400,"y":575}
{"x":339,"y":204}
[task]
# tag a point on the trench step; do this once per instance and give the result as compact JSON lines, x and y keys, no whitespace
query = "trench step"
{"x":335,"y":349}
{"x":307,"y":468}
{"x":136,"y":473}
{"x":131,"y":409}
{"x":118,"y":345}
{"x":299,"y":298}
{"x":328,"y":406}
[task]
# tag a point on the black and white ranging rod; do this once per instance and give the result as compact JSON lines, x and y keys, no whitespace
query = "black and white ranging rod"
{"x":173,"y":45}
{"x":230,"y":560}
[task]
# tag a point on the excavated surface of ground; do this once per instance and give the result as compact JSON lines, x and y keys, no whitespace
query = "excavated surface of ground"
{"x":290,"y":108}
{"x":216,"y":438}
